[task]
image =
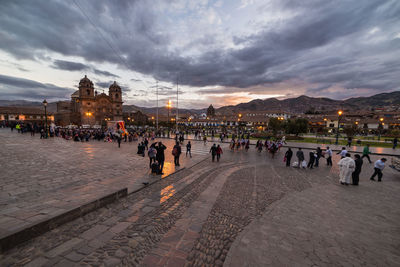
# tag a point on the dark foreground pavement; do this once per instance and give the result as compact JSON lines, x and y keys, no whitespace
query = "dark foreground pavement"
{"x":248,"y":206}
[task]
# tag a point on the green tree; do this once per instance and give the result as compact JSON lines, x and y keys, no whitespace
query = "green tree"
{"x":350,"y":131}
{"x":296,"y":126}
{"x":395,"y":133}
{"x":275,"y":125}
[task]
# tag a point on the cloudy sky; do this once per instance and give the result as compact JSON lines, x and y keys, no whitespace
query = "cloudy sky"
{"x":221,"y":52}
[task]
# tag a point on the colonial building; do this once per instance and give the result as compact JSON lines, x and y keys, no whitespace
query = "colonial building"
{"x":88,"y":107}
{"x":24,"y":114}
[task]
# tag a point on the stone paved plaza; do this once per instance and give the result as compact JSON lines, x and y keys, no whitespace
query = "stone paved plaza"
{"x":44,"y":178}
{"x":247,"y":210}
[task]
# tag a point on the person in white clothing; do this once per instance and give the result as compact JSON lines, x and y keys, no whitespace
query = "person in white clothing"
{"x":346,"y":168}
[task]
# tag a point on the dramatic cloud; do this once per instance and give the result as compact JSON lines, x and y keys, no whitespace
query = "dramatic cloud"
{"x":17,"y":88}
{"x":332,"y":48}
{"x":74,"y":66}
{"x":68,"y":65}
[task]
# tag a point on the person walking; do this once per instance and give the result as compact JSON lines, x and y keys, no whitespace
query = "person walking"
{"x":395,"y":143}
{"x":346,"y":168}
{"x":312,"y":159}
{"x":247,"y":145}
{"x":273,"y":150}
{"x":328,"y":153}
{"x":378,"y":168}
{"x":152,"y":152}
{"x":119,"y":138}
{"x":160,"y":156}
{"x":259,"y":146}
{"x":189,"y":149}
{"x":318,"y":156}
{"x":288,"y":156}
{"x":300,"y":157}
{"x":342,"y":153}
{"x":176,"y":151}
{"x":366,"y":153}
{"x":349,"y":141}
{"x":213,"y":151}
{"x":219,"y":152}
{"x":356,"y":174}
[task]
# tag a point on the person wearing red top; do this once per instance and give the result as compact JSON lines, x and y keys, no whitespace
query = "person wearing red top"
{"x":219,"y":152}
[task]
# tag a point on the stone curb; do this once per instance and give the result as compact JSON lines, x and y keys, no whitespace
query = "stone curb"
{"x":21,"y":235}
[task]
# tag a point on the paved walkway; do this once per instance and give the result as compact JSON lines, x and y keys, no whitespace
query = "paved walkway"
{"x":326,"y":225}
{"x":41,"y":179}
{"x":195,"y":217}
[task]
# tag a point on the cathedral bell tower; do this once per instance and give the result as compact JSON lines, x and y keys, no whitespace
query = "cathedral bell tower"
{"x":86,"y":102}
{"x":115,"y":94}
{"x":86,"y":88}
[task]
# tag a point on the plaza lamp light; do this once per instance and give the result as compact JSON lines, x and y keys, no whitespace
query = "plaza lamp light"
{"x":45,"y":116}
{"x":381,"y":123}
{"x":338,"y":124}
{"x":169,"y":106}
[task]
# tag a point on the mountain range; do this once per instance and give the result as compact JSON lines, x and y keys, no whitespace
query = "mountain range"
{"x":299,"y":104}
{"x":304,"y":103}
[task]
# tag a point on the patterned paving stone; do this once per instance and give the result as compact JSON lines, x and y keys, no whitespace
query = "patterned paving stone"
{"x":187,"y":219}
{"x":41,"y":179}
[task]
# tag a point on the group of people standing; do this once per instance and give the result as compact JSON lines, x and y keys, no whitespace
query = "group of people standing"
{"x":349,"y":168}
{"x":314,"y":157}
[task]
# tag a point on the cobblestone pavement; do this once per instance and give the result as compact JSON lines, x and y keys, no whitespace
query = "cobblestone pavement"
{"x":205,"y":214}
{"x":40,"y":179}
{"x":328,"y":225}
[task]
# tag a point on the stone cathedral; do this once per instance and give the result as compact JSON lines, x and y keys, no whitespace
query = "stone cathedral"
{"x":88,"y":107}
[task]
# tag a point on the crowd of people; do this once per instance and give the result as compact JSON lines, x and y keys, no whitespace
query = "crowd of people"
{"x":350,"y":168}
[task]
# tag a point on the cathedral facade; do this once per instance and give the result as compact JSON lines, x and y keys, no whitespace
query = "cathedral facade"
{"x":88,"y":107}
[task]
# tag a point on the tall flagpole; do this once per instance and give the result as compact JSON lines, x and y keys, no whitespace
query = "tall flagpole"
{"x":157,"y":105}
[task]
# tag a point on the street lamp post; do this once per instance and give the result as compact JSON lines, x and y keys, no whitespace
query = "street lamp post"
{"x":169,"y":105}
{"x":238,"y":129}
{"x":338,"y":125}
{"x":45,"y":116}
{"x":379,"y":128}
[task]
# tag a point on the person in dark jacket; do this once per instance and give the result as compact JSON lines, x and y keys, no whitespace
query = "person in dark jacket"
{"x":160,"y":157}
{"x":300,"y":157}
{"x":213,"y":151}
{"x":357,"y":170}
{"x":312,"y":159}
{"x":319,"y":155}
{"x":288,"y":156}
{"x":189,"y":149}
{"x":176,"y":151}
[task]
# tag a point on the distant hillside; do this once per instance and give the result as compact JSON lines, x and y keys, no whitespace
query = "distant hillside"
{"x":161,"y":110}
{"x":299,"y":104}
{"x":51,"y":107}
{"x":379,"y":100}
{"x":304,"y":103}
